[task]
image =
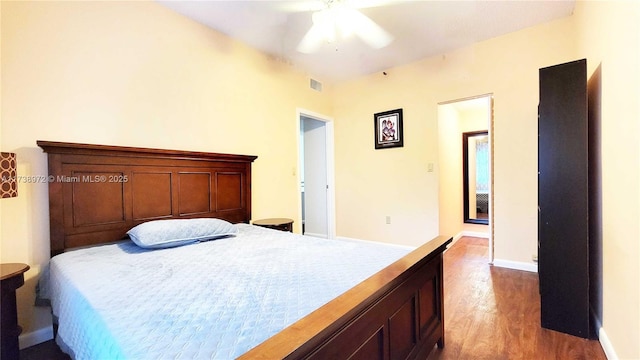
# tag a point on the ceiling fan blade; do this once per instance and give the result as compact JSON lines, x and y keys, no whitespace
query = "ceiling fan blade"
{"x":296,"y":6}
{"x":300,"y":6}
{"x":362,"y":4}
{"x":348,"y":21}
{"x":312,"y":40}
{"x":368,"y":31}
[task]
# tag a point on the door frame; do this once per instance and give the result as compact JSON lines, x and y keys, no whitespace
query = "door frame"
{"x":490,"y":129}
{"x":330,"y":165}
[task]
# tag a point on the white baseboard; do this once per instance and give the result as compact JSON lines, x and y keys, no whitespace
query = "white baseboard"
{"x":323,"y":236}
{"x":35,"y":337}
{"x":516,"y":265}
{"x":475,"y":234}
{"x":605,"y":344}
{"x":376,"y":242}
{"x":609,"y":352}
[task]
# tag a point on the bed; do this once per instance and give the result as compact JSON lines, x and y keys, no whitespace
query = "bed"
{"x":393,"y":311}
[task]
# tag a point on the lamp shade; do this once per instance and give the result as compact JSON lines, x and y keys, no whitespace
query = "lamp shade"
{"x":8,"y":175}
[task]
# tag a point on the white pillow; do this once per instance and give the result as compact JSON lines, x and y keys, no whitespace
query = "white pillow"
{"x":160,"y":234}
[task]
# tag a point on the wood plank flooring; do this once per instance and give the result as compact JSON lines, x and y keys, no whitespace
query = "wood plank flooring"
{"x":490,"y":313}
{"x":494,"y":313}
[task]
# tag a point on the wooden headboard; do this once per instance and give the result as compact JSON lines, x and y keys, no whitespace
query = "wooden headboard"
{"x":97,"y":192}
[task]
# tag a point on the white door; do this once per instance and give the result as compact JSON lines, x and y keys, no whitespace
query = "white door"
{"x":315,"y":177}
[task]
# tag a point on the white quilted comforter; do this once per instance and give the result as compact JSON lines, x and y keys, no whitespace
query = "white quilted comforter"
{"x":210,"y":300}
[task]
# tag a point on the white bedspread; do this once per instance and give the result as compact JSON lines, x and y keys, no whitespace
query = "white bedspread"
{"x":211,"y":300}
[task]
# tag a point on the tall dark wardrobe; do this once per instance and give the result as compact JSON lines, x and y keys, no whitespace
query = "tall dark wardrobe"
{"x":563,"y":199}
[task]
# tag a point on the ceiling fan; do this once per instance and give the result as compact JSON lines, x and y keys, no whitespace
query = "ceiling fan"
{"x":340,"y":19}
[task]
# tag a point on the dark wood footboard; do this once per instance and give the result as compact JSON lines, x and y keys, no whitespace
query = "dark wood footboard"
{"x":395,"y":314}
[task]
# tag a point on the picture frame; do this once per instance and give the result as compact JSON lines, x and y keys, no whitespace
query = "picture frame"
{"x":388,"y":131}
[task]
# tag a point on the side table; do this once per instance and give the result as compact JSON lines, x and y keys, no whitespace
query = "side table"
{"x":11,"y":278}
{"x":282,"y":224}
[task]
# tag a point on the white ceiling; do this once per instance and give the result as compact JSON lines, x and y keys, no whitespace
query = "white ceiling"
{"x":420,"y":28}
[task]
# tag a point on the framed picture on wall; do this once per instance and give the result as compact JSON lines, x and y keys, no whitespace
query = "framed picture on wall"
{"x":388,"y":129}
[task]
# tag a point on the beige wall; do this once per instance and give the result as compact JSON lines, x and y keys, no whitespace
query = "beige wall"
{"x":609,"y":37}
{"x":137,"y":74}
{"x":449,"y":171}
{"x":372,"y":184}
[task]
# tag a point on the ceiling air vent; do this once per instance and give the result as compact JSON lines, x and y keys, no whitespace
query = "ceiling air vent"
{"x":315,"y":85}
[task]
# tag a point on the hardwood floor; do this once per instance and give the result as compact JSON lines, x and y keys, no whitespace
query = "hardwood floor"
{"x":490,"y":313}
{"x":494,"y":313}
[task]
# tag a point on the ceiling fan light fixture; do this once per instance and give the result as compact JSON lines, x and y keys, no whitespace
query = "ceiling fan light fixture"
{"x":341,"y":20}
{"x":325,"y":24}
{"x":344,"y":20}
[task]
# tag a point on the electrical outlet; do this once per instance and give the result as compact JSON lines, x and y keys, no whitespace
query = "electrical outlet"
{"x":534,"y":257}
{"x":388,"y":219}
{"x":430,"y":167}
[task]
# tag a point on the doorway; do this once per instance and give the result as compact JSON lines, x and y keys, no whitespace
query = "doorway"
{"x":466,"y":167}
{"x":317,"y":209}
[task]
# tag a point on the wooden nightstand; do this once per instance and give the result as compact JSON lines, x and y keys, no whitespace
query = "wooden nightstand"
{"x":11,"y":278}
{"x":282,"y":224}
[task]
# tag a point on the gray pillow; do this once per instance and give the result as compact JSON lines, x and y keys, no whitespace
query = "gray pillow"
{"x":160,"y":234}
